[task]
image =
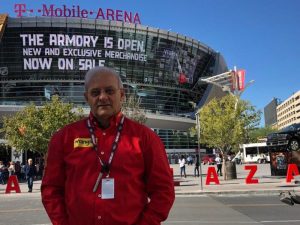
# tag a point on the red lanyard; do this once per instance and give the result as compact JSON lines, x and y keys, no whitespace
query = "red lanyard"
{"x":105,"y":167}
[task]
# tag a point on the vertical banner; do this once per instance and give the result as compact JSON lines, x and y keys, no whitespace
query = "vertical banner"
{"x":240,"y":80}
{"x":182,"y":78}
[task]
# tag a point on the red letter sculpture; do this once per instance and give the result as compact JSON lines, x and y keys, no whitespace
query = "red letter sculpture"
{"x":292,"y":169}
{"x":249,"y":178}
{"x":12,"y":185}
{"x":212,"y":176}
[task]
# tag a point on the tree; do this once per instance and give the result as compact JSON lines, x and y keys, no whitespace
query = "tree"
{"x":32,"y":127}
{"x":225,"y":123}
{"x":131,"y":108}
{"x":258,"y":134}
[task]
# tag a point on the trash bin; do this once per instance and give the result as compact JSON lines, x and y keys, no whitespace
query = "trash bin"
{"x":230,"y":170}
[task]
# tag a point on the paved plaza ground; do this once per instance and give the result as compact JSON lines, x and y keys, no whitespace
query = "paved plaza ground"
{"x":236,"y":201}
{"x":267,"y":184}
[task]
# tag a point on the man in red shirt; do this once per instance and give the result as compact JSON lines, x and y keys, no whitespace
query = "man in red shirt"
{"x":106,"y":169}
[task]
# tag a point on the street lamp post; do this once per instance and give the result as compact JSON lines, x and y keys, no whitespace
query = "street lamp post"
{"x":199,"y":150}
{"x":231,"y":82}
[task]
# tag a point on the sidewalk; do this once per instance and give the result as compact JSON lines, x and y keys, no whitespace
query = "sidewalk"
{"x":24,"y":190}
{"x":267,"y":184}
{"x":191,"y":185}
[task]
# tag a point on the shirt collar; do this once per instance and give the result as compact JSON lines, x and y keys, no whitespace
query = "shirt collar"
{"x":114,"y":120}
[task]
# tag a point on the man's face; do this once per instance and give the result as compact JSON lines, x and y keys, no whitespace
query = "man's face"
{"x":104,"y":96}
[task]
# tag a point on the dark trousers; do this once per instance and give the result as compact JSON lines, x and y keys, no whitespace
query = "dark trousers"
{"x":219,"y":171}
{"x":30,"y":183}
{"x":2,"y":178}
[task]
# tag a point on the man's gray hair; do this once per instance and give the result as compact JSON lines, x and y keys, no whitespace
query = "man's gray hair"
{"x":98,"y":70}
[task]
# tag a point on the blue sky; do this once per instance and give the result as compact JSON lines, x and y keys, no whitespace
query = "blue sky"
{"x":260,"y":36}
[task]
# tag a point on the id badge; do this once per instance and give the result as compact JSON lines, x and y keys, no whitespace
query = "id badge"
{"x":108,"y":188}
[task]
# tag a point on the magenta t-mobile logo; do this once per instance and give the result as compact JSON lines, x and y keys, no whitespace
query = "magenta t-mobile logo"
{"x":20,"y":9}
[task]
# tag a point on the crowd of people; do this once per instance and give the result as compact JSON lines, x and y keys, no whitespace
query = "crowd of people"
{"x":24,"y":172}
{"x":194,"y":160}
{"x":189,"y":161}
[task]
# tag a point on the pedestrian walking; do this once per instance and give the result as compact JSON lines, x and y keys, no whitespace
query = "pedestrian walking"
{"x":30,"y":173}
{"x":219,"y":162}
{"x":196,"y":169}
{"x":106,"y":169}
{"x":182,"y":162}
{"x":189,"y":160}
{"x":2,"y":172}
{"x":18,"y":169}
{"x":11,"y":168}
{"x":23,"y":176}
{"x":41,"y":170}
{"x":37,"y":168}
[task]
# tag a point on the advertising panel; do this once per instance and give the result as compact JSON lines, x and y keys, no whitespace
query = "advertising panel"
{"x":76,"y":52}
{"x":279,"y":161}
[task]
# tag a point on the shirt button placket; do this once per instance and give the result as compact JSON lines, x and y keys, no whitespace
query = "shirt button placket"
{"x":99,"y":220}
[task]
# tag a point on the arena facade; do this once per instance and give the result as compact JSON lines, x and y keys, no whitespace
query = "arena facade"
{"x":43,"y":56}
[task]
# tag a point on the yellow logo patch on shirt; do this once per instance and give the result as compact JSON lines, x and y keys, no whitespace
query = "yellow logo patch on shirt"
{"x":83,"y":143}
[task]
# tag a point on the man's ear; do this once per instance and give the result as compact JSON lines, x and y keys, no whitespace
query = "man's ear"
{"x":85,"y":96}
{"x":123,"y":96}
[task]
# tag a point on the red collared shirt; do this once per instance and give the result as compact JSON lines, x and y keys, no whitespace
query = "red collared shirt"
{"x":144,"y":190}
